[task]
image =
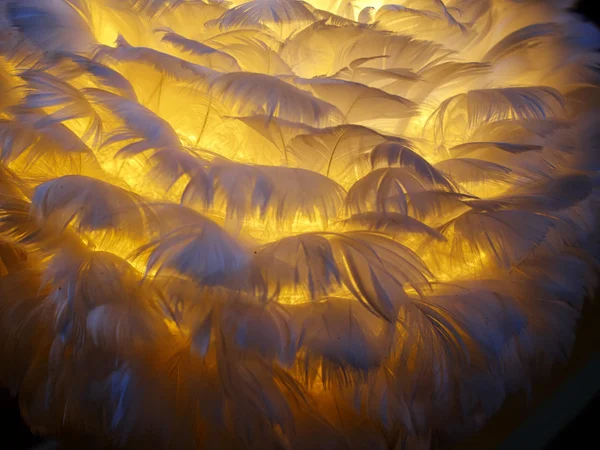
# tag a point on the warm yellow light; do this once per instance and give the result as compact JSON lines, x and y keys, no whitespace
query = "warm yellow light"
{"x":273,"y":221}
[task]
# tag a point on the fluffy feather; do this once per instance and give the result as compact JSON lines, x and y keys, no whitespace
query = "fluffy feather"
{"x":525,"y":38}
{"x":103,"y":311}
{"x":469,"y":148}
{"x":140,"y":123}
{"x":256,"y":13}
{"x":393,"y":224}
{"x":469,"y":170}
{"x":255,"y":55}
{"x":106,"y":77}
{"x":371,"y":266}
{"x":208,"y":56}
{"x":357,"y":102}
{"x":163,"y":63}
{"x":277,"y":131}
{"x":197,"y":247}
{"x":490,"y":105}
{"x":88,"y":204}
{"x":68,"y":103}
{"x":254,"y":93}
{"x":244,"y":190}
{"x":401,"y":154}
{"x":51,"y":149}
{"x":333,"y":330}
{"x":505,"y":237}
{"x":387,"y":190}
{"x":53,"y":25}
{"x":332,"y":151}
{"x":552,"y":195}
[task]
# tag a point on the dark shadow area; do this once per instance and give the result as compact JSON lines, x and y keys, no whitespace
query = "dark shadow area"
{"x":518,"y":409}
{"x":589,"y":9}
{"x":583,"y":429}
{"x":15,"y":433}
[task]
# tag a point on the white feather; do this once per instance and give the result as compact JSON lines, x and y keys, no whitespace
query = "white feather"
{"x":358,"y":102}
{"x":256,"y":13}
{"x":117,"y":313}
{"x":207,"y":56}
{"x":198,"y":248}
{"x":53,"y":25}
{"x":506,"y":237}
{"x":163,"y":63}
{"x":336,"y":330}
{"x":373,"y":267}
{"x":333,"y":151}
{"x":257,"y":94}
{"x":387,"y":190}
{"x":48,"y":91}
{"x":490,"y":105}
{"x":245,"y":190}
{"x":88,"y":204}
{"x":52,"y":148}
{"x":394,"y":224}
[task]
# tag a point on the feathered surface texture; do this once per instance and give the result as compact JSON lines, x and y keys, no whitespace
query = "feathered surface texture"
{"x":275,"y":224}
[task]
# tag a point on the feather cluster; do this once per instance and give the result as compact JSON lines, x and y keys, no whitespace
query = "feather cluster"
{"x":278,"y":224}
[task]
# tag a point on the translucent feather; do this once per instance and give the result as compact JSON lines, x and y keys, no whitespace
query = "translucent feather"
{"x":253,"y":93}
{"x":280,"y":224}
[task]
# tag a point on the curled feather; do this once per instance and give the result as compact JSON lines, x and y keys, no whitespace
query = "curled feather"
{"x":371,"y":266}
{"x":200,"y":249}
{"x":284,"y":192}
{"x":489,"y":105}
{"x":69,"y":103}
{"x":88,"y":204}
{"x":105,"y":311}
{"x":505,"y":237}
{"x":257,"y":13}
{"x":256,"y":94}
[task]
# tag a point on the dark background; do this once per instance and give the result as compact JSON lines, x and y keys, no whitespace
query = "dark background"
{"x":14,"y":434}
{"x":584,"y":428}
{"x":590,"y":9}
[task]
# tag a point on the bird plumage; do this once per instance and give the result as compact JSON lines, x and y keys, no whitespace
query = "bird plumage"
{"x":284,"y":224}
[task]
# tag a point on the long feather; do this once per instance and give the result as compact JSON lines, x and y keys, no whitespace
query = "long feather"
{"x":140,"y":123}
{"x":253,"y":93}
{"x":553,"y":195}
{"x":163,"y":63}
{"x":388,"y":190}
{"x":334,"y":330}
{"x":332,"y":151}
{"x":53,"y":25}
{"x":257,"y":13}
{"x":103,"y":310}
{"x":371,"y":266}
{"x":357,"y":101}
{"x":69,"y":103}
{"x":506,"y":237}
{"x":88,"y":204}
{"x":106,"y":77}
{"x":245,"y":190}
{"x":199,"y":249}
{"x":489,"y":105}
{"x":394,"y":224}
{"x":51,"y":149}
{"x":207,"y":56}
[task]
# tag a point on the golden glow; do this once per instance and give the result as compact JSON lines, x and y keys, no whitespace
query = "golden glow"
{"x":202,"y":121}
{"x":300,"y":183}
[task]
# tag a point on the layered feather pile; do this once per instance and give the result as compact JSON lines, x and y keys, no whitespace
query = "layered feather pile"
{"x":276,"y":224}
